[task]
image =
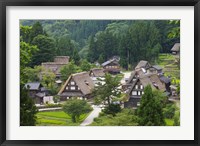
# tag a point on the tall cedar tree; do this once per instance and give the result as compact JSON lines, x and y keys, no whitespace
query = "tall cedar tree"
{"x":150,"y":110}
{"x":28,"y":109}
{"x":27,"y":106}
{"x":36,"y":30}
{"x":46,"y":52}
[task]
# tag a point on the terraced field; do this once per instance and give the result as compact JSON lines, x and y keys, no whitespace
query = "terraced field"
{"x":57,"y":118}
{"x":169,"y":64}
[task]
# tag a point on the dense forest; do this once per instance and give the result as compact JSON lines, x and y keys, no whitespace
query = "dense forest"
{"x":99,"y":40}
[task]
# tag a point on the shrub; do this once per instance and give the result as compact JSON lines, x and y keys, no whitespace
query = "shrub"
{"x":169,"y":111}
{"x":112,"y":109}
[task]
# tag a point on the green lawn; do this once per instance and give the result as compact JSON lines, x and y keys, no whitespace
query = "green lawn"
{"x":57,"y":118}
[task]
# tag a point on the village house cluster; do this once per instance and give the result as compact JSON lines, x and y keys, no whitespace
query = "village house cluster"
{"x":80,"y":85}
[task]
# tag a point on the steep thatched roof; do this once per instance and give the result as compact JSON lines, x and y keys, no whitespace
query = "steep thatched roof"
{"x":136,"y":72}
{"x":109,"y":61}
{"x":142,"y":64}
{"x":59,"y":61}
{"x":97,"y":72}
{"x":83,"y":81}
{"x":148,"y":79}
{"x":154,"y":81}
{"x":176,"y":47}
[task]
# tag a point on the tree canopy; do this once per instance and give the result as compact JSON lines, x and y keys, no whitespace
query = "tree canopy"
{"x":150,"y":110}
{"x":75,"y":108}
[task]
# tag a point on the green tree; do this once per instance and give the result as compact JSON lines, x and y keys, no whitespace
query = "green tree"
{"x":75,"y":56}
{"x":34,"y":74}
{"x":75,"y":108}
{"x":112,"y":109}
{"x":26,"y":53}
{"x":175,"y":31}
{"x":150,"y":110}
{"x":101,"y":59}
{"x":69,"y":69}
{"x":28,"y":109}
{"x":36,"y":30}
{"x":27,"y":106}
{"x":177,"y":118}
{"x":107,"y":89}
{"x":85,"y":65}
{"x":25,"y":33}
{"x":126,"y":117}
{"x":46,"y":52}
{"x":48,"y":79}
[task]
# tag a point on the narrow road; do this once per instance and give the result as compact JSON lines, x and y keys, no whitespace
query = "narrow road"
{"x":93,"y":114}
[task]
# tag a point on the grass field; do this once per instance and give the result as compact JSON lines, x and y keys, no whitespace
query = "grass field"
{"x":57,"y":118}
{"x":170,"y":67}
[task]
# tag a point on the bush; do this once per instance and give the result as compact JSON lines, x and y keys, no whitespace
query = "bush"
{"x":177,"y":118}
{"x":53,"y":105}
{"x":169,"y":111}
{"x":56,"y":99}
{"x":112,"y":109}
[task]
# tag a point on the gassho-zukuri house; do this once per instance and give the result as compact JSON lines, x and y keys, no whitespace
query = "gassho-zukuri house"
{"x":59,"y":61}
{"x":78,"y":85}
{"x":135,"y":90}
{"x":143,"y":75}
{"x":111,"y":66}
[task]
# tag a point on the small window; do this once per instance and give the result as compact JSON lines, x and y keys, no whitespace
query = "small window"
{"x":67,"y":88}
{"x":138,"y":103}
{"x":136,"y":86}
{"x":142,"y":92}
{"x":73,"y":88}
{"x":72,"y":83}
{"x":138,"y":92}
{"x":141,"y":86}
{"x":134,"y":92}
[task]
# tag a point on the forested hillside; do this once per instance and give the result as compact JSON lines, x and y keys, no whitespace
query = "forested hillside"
{"x":99,"y":40}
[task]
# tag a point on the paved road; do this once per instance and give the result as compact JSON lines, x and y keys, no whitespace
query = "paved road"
{"x":93,"y":114}
{"x":50,"y":109}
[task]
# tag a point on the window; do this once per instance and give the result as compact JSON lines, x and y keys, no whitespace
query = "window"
{"x":67,"y":88}
{"x":134,"y":92}
{"x":136,"y":86}
{"x":138,"y":92}
{"x":72,"y":83}
{"x":134,"y":80}
{"x":141,"y":86}
{"x":142,"y":92}
{"x":138,"y":103}
{"x":73,"y":88}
